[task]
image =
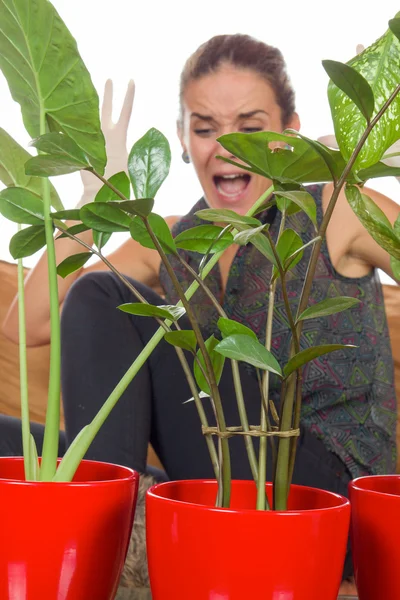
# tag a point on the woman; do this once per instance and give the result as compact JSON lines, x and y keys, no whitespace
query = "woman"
{"x":231,"y":83}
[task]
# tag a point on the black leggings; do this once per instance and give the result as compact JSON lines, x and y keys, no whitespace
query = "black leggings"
{"x":99,"y":343}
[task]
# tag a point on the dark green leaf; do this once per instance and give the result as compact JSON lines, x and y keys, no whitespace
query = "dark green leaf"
{"x":353,"y":84}
{"x":72,"y":263}
{"x":160,"y":229}
{"x":374,"y":220}
{"x":332,"y":158}
{"x":12,"y":169}
{"x":204,"y":239}
{"x":305,"y":356}
{"x":327,"y":307}
{"x":245,"y":236}
{"x":304,"y":201}
{"x":72,"y":214}
{"x":262,"y":244}
{"x":247,"y":349}
{"x":100,"y":238}
{"x":217,"y":361}
{"x":379,"y":169}
{"x":230,"y":327}
{"x":75,"y":229}
{"x":184,"y":339}
{"x":121,"y":182}
{"x":141,"y":207}
{"x":394,"y":26}
{"x":148,"y":163}
{"x":173,"y":313}
{"x":60,"y":144}
{"x":43,"y":68}
{"x":224,"y":215}
{"x":104,"y":216}
{"x":47,"y":165}
{"x":288,"y":243}
{"x":21,"y":206}
{"x":27,"y":241}
{"x":379,"y":64}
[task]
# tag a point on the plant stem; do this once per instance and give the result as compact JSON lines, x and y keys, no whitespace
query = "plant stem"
{"x":23,"y":372}
{"x":52,"y":428}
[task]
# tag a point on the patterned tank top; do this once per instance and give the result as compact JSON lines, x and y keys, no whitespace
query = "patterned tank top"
{"x":348,"y":396}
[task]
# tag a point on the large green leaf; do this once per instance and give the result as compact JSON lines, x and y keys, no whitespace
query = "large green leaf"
{"x":230,"y":327}
{"x":160,"y":229}
{"x":104,"y":216}
{"x":217,"y":361}
{"x":27,"y":241}
{"x":247,"y":349}
{"x":12,"y":169}
{"x":327,"y":307}
{"x":303,"y":200}
{"x":204,"y":239}
{"x":72,"y":263}
{"x":105,"y":194}
{"x":148,"y":163}
{"x":353,"y":85}
{"x":141,"y":207}
{"x":289,"y":243}
{"x":301,"y":164}
{"x":379,"y":64}
{"x":307,"y":355}
{"x":171,"y":312}
{"x":224,"y":215}
{"x":244,"y":237}
{"x":21,"y":206}
{"x":185,"y":339}
{"x":47,"y":76}
{"x":51,"y":165}
{"x":374,"y":220}
{"x":60,"y":144}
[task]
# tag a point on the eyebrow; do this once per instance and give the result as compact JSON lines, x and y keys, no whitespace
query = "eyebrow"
{"x":246,"y":115}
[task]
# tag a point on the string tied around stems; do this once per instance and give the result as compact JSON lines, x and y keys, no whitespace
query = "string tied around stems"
{"x":254,"y":431}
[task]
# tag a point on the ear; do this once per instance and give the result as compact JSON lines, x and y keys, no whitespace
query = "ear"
{"x":179,"y":131}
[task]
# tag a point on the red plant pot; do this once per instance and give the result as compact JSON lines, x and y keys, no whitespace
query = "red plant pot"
{"x":201,"y":552}
{"x":375,"y":517}
{"x":64,"y":541}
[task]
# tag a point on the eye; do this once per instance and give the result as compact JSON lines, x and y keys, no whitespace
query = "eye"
{"x":251,"y":129}
{"x":203,"y":132}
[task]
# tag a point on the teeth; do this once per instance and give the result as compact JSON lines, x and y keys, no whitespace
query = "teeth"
{"x":230,"y":176}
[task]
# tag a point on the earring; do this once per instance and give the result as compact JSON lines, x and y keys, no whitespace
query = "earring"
{"x":185,"y":157}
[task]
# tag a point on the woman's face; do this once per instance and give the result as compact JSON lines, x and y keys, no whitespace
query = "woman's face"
{"x":227,"y":101}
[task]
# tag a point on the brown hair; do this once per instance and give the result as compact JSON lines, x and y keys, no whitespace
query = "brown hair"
{"x":245,"y":52}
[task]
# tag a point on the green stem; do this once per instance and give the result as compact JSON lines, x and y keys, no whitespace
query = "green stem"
{"x":52,"y":428}
{"x":80,"y":445}
{"x":23,"y":372}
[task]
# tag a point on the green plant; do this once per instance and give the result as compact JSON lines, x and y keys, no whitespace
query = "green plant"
{"x":61,"y":114}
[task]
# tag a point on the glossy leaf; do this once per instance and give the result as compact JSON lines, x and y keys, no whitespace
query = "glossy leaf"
{"x":204,"y":239}
{"x":230,"y":327}
{"x":60,"y":144}
{"x":288,"y":243}
{"x":303,"y":200}
{"x":73,"y":263}
{"x":245,"y":236}
{"x":374,"y":220}
{"x":185,"y":339}
{"x":353,"y":84}
{"x":72,"y":214}
{"x":249,"y":350}
{"x":301,"y":164}
{"x":173,"y":313}
{"x":224,"y":215}
{"x":327,"y":307}
{"x":379,"y":169}
{"x":75,"y":229}
{"x":21,"y":206}
{"x":148,"y":163}
{"x":12,"y":169}
{"x":43,"y":68}
{"x":262,"y":244}
{"x":104,"y":216}
{"x":217,"y":361}
{"x":118,"y":180}
{"x":379,"y":64}
{"x":27,"y":241}
{"x":160,"y":229}
{"x":141,"y":207}
{"x":305,"y":356}
{"x":47,"y":165}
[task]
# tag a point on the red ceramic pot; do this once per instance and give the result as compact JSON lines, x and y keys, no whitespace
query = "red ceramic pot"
{"x":375,"y":536}
{"x":199,"y":552}
{"x":64,"y":541}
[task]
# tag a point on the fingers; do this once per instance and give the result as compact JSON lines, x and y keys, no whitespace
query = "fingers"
{"x":126,"y":109}
{"x":360,"y":48}
{"x":328,"y":140}
{"x":106,"y":109}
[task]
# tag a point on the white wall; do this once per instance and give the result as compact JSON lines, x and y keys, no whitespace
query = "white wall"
{"x":150,"y":41}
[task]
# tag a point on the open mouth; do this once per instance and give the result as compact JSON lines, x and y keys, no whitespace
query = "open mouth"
{"x":231,"y":185}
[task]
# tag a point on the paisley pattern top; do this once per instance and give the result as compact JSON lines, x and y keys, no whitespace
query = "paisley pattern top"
{"x":348,"y":396}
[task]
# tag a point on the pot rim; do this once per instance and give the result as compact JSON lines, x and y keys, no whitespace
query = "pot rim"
{"x":343,"y":503}
{"x":130,"y":475}
{"x":355,"y":484}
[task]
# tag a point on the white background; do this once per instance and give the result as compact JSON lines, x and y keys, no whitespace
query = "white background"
{"x":149,"y":41}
